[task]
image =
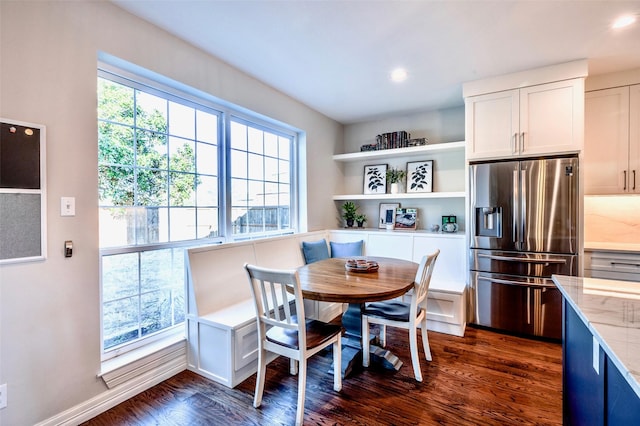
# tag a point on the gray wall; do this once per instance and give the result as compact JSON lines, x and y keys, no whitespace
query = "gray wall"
{"x":49,"y":310}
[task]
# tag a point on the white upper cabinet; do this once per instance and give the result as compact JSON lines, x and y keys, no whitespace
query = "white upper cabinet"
{"x":612,"y":141}
{"x":535,"y":120}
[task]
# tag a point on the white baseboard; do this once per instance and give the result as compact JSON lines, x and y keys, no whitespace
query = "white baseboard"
{"x":112,"y":397}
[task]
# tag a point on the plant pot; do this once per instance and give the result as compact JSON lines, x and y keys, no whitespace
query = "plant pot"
{"x":361,"y":224}
{"x":350,"y":223}
{"x":394,"y":188}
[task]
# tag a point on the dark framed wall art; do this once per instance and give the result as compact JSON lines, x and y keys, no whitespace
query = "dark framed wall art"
{"x":375,"y":179}
{"x":22,"y":192}
{"x":420,"y":176}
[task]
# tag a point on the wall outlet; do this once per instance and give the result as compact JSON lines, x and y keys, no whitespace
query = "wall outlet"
{"x":3,"y":396}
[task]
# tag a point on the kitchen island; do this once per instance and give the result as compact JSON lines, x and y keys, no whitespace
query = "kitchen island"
{"x":601,"y":350}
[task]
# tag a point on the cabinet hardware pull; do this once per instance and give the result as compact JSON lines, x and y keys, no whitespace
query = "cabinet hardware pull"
{"x":634,"y":180}
{"x":624,"y":188}
{"x":637,"y":265}
{"x":522,"y":142}
{"x":514,"y":146}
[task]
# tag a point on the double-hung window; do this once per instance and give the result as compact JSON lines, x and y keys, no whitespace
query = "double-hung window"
{"x":176,"y":170}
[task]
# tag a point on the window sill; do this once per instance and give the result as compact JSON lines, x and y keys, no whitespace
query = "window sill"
{"x":164,"y":353}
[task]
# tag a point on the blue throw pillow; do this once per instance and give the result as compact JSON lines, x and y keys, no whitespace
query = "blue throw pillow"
{"x":315,"y":250}
{"x":346,"y":249}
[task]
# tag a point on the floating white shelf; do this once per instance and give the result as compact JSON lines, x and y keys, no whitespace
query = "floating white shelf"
{"x":400,"y":152}
{"x":402,"y":196}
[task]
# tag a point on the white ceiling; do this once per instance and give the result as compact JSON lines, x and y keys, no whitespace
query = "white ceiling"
{"x":336,"y":55}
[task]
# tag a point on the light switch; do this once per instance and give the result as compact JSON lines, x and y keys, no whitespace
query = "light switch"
{"x":67,"y":206}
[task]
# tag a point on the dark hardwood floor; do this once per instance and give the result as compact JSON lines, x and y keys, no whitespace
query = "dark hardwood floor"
{"x":485,"y":378}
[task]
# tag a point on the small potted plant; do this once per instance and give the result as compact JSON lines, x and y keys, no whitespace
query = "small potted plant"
{"x":394,"y":177}
{"x":349,"y":212}
{"x":360,"y":219}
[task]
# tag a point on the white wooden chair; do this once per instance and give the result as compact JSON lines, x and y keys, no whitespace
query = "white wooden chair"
{"x":288,"y":334}
{"x":405,"y":315}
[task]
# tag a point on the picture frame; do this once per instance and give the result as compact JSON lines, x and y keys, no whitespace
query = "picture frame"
{"x":387,"y":214}
{"x":420,"y":176}
{"x":375,"y":179}
{"x":406,"y":219}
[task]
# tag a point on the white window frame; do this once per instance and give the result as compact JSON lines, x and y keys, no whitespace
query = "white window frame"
{"x":133,"y":76}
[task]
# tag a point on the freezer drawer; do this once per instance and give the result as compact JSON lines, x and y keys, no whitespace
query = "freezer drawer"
{"x":530,"y":306}
{"x":523,"y":264}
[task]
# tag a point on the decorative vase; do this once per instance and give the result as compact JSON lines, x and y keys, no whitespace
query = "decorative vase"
{"x":394,"y":188}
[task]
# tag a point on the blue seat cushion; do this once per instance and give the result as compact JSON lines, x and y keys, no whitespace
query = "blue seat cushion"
{"x":346,"y":249}
{"x":391,"y":310}
{"x":315,"y":250}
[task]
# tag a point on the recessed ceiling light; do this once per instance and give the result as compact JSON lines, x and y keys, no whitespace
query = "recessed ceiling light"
{"x":398,"y":75}
{"x":623,"y":21}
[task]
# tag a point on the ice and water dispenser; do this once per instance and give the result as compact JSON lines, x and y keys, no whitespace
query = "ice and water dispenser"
{"x":488,"y":222}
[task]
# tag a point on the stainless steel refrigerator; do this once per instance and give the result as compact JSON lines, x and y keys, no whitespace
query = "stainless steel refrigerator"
{"x":523,"y":224}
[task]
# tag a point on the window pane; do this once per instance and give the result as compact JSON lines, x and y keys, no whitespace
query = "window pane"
{"x":256,"y":193}
{"x":120,"y":277}
{"x":256,"y":167}
{"x":120,"y":321}
{"x":114,"y":229}
{"x":156,"y":311}
{"x":271,"y":169}
{"x":115,"y":186}
{"x":285,"y":148}
{"x":150,"y":225}
{"x":182,"y":190}
{"x":115,"y":102}
{"x":207,"y":159}
{"x":151,"y":188}
{"x":271,"y":219}
{"x":155,"y":269}
{"x":239,"y":191}
{"x":238,"y":136}
{"x":115,"y":144}
{"x":151,"y":112}
{"x":151,"y":150}
{"x":182,"y":120}
{"x":255,"y":140}
{"x":270,"y":145}
{"x":207,"y":191}
{"x":182,"y":222}
{"x":206,"y":127}
{"x":271,"y":194}
{"x":284,"y":195}
{"x":239,"y":221}
{"x":284,"y":171}
{"x":208,"y":223}
{"x":182,"y":154}
{"x":238,"y":163}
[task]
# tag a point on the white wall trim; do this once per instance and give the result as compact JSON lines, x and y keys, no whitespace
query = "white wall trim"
{"x":109,"y":399}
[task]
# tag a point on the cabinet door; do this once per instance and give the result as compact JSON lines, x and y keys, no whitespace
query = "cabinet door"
{"x":583,"y":386}
{"x":492,"y":125}
{"x":623,"y":404}
{"x":551,"y":118}
{"x":606,"y":149}
{"x":634,"y":138}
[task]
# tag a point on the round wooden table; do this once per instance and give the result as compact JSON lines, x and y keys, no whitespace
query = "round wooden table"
{"x":329,"y":281}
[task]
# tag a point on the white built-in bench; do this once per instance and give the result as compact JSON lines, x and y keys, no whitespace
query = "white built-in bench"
{"x":221,"y":324}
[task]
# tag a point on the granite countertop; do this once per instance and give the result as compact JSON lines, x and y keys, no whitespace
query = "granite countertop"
{"x":608,"y":308}
{"x":608,"y":246}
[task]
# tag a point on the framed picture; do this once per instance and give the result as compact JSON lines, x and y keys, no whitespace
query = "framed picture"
{"x":387,"y":214}
{"x":420,"y":176}
{"x":375,"y":179}
{"x":406,"y":218}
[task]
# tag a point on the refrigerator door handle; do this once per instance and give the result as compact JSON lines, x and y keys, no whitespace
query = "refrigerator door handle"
{"x":523,"y":208}
{"x":529,"y":305}
{"x":522,"y":259}
{"x":516,"y":283}
{"x":516,"y":210}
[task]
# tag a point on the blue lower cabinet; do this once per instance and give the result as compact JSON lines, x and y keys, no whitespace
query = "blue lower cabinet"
{"x":583,"y":386}
{"x":623,"y":404}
